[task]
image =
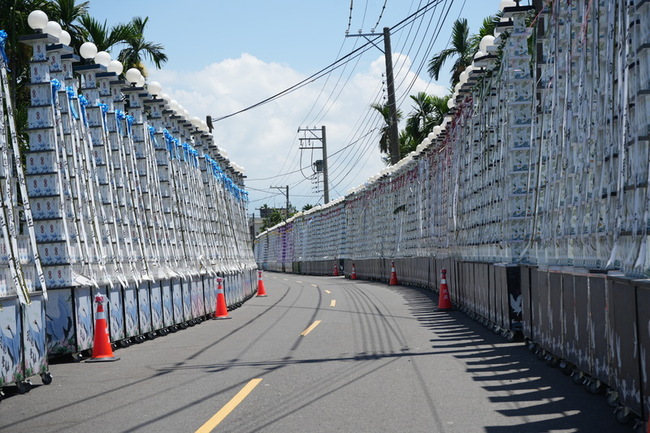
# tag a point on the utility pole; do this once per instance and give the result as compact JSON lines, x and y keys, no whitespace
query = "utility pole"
{"x":286,"y":194}
{"x":390,"y":87}
{"x":323,"y":139}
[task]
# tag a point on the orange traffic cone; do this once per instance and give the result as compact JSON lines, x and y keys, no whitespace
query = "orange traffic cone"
{"x":102,"y":350}
{"x":221,"y":311}
{"x":444,"y":303}
{"x":353,"y":275}
{"x":393,"y":274}
{"x":261,"y":292}
{"x":336,"y":270}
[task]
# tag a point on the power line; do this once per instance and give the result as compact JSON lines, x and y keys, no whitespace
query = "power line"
{"x":381,"y":14}
{"x":331,"y":67}
{"x":350,"y":17}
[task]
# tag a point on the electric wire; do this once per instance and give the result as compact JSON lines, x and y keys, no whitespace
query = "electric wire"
{"x":340,"y":172}
{"x":347,"y":31}
{"x":381,"y":14}
{"x":328,"y":69}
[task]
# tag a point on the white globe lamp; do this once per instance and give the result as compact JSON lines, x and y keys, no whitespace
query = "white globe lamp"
{"x":154,"y":88}
{"x":65,"y":38}
{"x":53,"y":28}
{"x":37,"y":20}
{"x":132,"y":75}
{"x":115,"y":66}
{"x":103,"y":58}
{"x":88,"y":50}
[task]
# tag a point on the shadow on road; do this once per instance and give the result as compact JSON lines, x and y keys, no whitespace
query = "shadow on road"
{"x":519,"y":384}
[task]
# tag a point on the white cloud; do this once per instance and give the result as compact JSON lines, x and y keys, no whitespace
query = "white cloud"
{"x":263,"y":138}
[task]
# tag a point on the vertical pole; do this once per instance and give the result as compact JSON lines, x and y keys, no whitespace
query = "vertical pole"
{"x":286,"y":214}
{"x":392,"y":108}
{"x":326,"y":187}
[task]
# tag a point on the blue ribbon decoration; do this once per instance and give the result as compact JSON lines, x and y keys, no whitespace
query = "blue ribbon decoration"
{"x":56,"y":86}
{"x":83,"y":102}
{"x":152,"y":134}
{"x":72,"y":95}
{"x":119,"y":116}
{"x":104,"y":108}
{"x":169,"y":140}
{"x":3,"y":53}
{"x":129,"y":123}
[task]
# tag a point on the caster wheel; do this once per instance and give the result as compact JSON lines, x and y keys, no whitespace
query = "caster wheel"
{"x":552,"y":361}
{"x":77,"y":357}
{"x":578,"y":377}
{"x":566,"y":367}
{"x":23,"y":387}
{"x":531,"y":346}
{"x":612,"y":398}
{"x":623,"y":415}
{"x":150,"y":335}
{"x":640,"y":427}
{"x":46,"y":378}
{"x":541,"y":354}
{"x":510,"y":336}
{"x":595,"y":386}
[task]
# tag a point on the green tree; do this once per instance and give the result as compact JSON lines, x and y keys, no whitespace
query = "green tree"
{"x":13,"y":20}
{"x":275,"y":218}
{"x":461,"y":49}
{"x":428,"y":111}
{"x":384,"y":139}
{"x":101,"y":35}
{"x":68,"y":13}
{"x":487,"y":28}
{"x":137,"y":48}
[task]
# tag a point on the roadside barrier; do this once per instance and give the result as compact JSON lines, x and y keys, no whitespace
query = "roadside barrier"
{"x":539,"y":221}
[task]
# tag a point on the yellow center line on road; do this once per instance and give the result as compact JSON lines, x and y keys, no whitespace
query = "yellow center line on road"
{"x":229,"y":407}
{"x":333,"y":303}
{"x":311,"y":328}
{"x":314,"y":285}
{"x":328,"y":292}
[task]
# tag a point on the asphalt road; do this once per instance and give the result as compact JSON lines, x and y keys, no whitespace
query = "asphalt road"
{"x":319,"y":354}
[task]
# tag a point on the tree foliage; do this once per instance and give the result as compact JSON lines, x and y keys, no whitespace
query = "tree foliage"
{"x":74,"y":17}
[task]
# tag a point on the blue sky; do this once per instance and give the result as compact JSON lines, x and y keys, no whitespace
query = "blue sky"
{"x":227,"y":55}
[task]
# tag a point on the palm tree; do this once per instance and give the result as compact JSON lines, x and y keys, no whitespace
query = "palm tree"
{"x":99,"y":33}
{"x":67,"y":13}
{"x":406,"y":143}
{"x":461,"y":48}
{"x":487,"y":28}
{"x":384,"y":139}
{"x":428,"y":111}
{"x":13,"y":20}
{"x":138,"y":48}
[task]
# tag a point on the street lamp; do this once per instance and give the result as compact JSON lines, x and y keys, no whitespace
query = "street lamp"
{"x":88,"y":50}
{"x":65,"y":38}
{"x":115,"y":66}
{"x":53,"y":28}
{"x":102,"y":58}
{"x":37,"y":20}
{"x":133,"y":76}
{"x":154,"y":88}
